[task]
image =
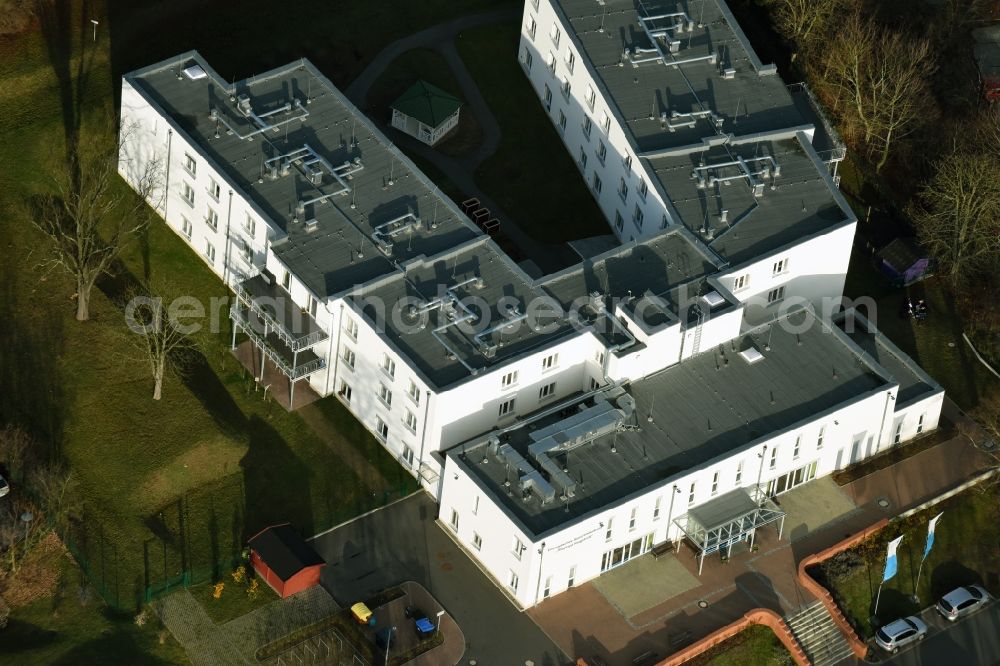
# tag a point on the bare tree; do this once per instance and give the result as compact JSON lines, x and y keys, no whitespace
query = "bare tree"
{"x":17,"y":448}
{"x":797,"y":20}
{"x":54,"y":487}
{"x":161,"y":339}
{"x":881,"y":77}
{"x":91,"y":218}
{"x":958,"y":214}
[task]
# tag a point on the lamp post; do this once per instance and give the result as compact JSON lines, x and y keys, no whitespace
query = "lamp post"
{"x":760,"y":475}
{"x":438,"y":627}
{"x":388,"y":642}
{"x":95,"y":23}
{"x":670,"y":512}
{"x":26,"y":518}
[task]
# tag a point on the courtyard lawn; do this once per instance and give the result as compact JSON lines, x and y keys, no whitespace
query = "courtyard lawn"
{"x":531,"y":175}
{"x":755,"y":645}
{"x":965,"y":551}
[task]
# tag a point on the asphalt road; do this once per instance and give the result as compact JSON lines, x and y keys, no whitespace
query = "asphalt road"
{"x":403,"y":542}
{"x":971,"y":641}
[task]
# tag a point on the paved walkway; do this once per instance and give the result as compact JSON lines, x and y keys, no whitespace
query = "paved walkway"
{"x":460,"y":170}
{"x":237,"y":642}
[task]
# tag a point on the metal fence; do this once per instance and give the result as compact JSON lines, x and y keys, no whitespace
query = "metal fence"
{"x":330,"y":647}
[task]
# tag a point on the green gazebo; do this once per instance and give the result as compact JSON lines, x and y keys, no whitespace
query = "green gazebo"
{"x":425,"y":112}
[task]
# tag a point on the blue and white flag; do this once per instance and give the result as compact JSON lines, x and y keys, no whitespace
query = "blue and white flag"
{"x":930,"y":535}
{"x":890,"y":560}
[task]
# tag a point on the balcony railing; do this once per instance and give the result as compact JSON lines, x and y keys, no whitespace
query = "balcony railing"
{"x":293,"y":364}
{"x":296,"y":328}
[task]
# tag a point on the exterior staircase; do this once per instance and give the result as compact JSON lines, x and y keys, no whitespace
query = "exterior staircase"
{"x":819,"y":636}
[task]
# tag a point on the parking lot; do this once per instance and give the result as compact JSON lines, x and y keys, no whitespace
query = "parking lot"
{"x":973,"y":640}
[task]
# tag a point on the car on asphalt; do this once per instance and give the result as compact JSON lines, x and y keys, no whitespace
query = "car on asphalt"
{"x":895,"y":635}
{"x":962,"y":601}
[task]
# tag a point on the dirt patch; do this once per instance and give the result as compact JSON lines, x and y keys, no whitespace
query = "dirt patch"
{"x":38,"y":577}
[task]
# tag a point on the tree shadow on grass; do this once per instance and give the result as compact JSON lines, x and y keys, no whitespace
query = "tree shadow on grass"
{"x":115,"y":647}
{"x":20,"y":636}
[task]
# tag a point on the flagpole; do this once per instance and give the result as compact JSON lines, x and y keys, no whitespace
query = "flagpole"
{"x":877,"y":597}
{"x":916,"y":585}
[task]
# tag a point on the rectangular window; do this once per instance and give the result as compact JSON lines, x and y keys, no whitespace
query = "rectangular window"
{"x":351,"y":328}
{"x":571,"y":579}
{"x":286,"y":281}
{"x":583,"y":158}
{"x":622,"y":189}
{"x":408,"y":456}
{"x":212,"y":219}
{"x":898,"y":436}
{"x":388,"y":366}
{"x":562,"y":121}
{"x":385,"y":395}
{"x":607,"y":529}
{"x":637,"y":216}
{"x":313,"y":305}
{"x":555,"y":34}
{"x":477,"y":541}
{"x":594,"y":384}
{"x":187,"y":193}
{"x":631,"y":520}
{"x":819,"y":440}
{"x":517,"y":548}
{"x":565,"y":89}
{"x":210,"y":253}
{"x":247,"y":250}
{"x":345,"y":391}
{"x":741,"y":282}
{"x":186,"y":228}
{"x":602,"y":151}
{"x":414,"y":392}
{"x":780,"y":267}
{"x":190,"y":165}
{"x":795,"y":449}
{"x":596,"y":183}
{"x":548,"y":588}
{"x":508,"y":380}
{"x":532,"y":26}
{"x":570,"y":60}
{"x":349,"y":358}
{"x":715,"y":483}
{"x":599,"y":357}
{"x":656,"y":508}
{"x":250,"y":226}
{"x":381,"y":429}
{"x":528,"y":58}
{"x":548,"y":97}
{"x":546,"y":391}
{"x":643,"y":189}
{"x":552,"y":64}
{"x":506,"y":407}
{"x":619,"y":221}
{"x":739,"y":473}
{"x":776,"y":295}
{"x":411,"y":421}
{"x":920,"y":424}
{"x":591,"y":96}
{"x":513,"y":581}
{"x":588,"y":126}
{"x":213,"y":189}
{"x":605,"y":121}
{"x":774,"y":457}
{"x":550,"y":362}
{"x":691,"y":495}
{"x":454,"y":520}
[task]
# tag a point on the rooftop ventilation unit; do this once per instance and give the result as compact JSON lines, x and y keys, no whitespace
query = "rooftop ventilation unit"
{"x":751,"y":355}
{"x":729,"y":73}
{"x":195,"y":72}
{"x":713,"y":299}
{"x":311,"y":225}
{"x":707,"y":175}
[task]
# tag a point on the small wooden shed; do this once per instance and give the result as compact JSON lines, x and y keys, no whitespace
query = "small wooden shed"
{"x":284,"y":560}
{"x":425,"y":112}
{"x":904,"y":262}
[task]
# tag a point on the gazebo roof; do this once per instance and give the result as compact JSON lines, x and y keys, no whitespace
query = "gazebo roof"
{"x":427,"y":103}
{"x":726,"y":517}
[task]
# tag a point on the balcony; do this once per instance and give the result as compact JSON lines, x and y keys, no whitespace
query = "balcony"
{"x":295,"y":328}
{"x":293,"y":363}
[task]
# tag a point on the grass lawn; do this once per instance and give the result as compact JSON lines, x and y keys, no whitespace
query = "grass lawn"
{"x":234,"y":600}
{"x":531,"y":155}
{"x":755,"y":645}
{"x":965,"y":551}
{"x":68,"y":627}
{"x":172,"y":486}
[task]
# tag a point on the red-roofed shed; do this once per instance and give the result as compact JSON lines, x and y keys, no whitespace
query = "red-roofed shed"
{"x":284,"y":560}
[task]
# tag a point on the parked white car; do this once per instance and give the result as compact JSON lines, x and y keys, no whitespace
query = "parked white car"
{"x":962,"y":601}
{"x":902,"y":632}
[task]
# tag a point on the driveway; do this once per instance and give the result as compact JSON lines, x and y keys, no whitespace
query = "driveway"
{"x":403,"y":542}
{"x":971,"y":641}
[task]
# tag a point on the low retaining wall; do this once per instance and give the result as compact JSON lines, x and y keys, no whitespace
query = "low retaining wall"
{"x":761,"y":616}
{"x":806,"y":581}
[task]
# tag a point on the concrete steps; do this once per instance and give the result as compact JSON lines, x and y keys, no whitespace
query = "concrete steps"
{"x":819,"y":636}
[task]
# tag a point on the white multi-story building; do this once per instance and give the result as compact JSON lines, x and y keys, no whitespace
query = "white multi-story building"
{"x":663,"y":389}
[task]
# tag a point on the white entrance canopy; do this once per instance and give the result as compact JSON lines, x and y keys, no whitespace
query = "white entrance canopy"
{"x":719,"y":523}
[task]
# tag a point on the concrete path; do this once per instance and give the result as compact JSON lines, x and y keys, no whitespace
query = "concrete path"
{"x":460,"y":170}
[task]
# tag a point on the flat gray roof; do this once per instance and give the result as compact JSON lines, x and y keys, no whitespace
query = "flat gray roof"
{"x":753,"y":100}
{"x":736,"y":223}
{"x":705,"y":407}
{"x":337,"y":252}
{"x":483,"y":279}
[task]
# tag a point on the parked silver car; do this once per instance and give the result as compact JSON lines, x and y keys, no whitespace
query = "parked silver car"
{"x":902,"y":632}
{"x":962,"y":601}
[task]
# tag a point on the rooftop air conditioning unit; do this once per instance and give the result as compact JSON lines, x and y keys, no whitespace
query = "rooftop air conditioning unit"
{"x":729,"y":73}
{"x":312,"y":225}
